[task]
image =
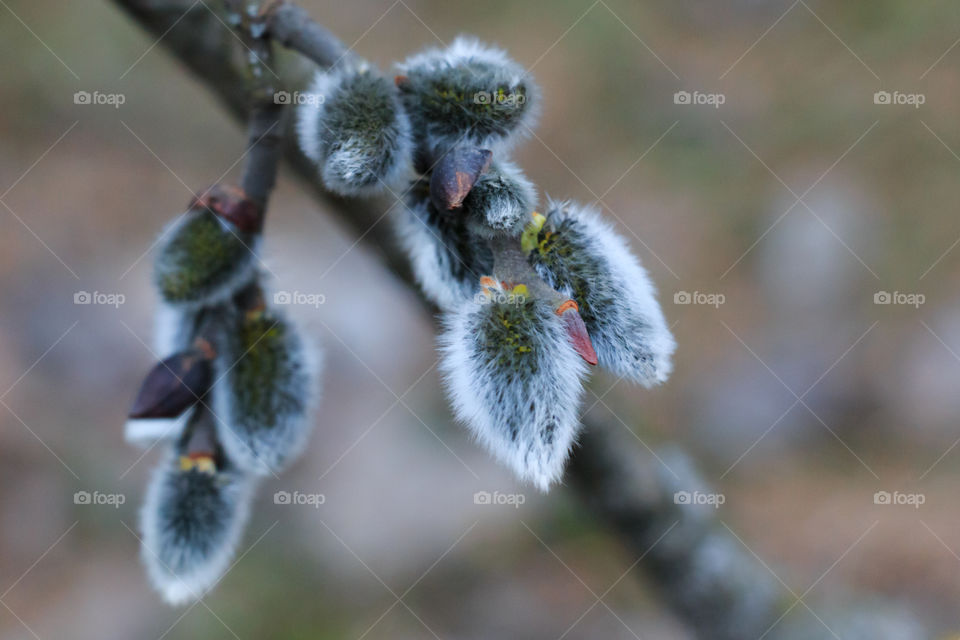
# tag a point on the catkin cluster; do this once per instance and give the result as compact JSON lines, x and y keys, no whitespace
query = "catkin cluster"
{"x":529,"y":300}
{"x":229,"y":401}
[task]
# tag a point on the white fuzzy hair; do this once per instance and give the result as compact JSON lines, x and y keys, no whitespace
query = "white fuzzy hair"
{"x":512,"y":170}
{"x":266,"y":451}
{"x":515,"y":204}
{"x":429,"y":259}
{"x":243,"y":273}
{"x":310,"y":120}
{"x":310,"y":112}
{"x":638,"y":296}
{"x":466,"y":48}
{"x":146,"y":432}
{"x":172,"y":329}
{"x":541,"y":403}
{"x":197,"y":572}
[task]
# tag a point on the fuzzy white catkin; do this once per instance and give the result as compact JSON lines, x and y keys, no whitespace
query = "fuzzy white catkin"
{"x":488,"y":69}
{"x":501,"y":200}
{"x":180,"y":260}
{"x":336,"y":130}
{"x":284,"y":396}
{"x":173,"y":329}
{"x":191,"y":524}
{"x":625,"y":321}
{"x":447,"y":261}
{"x":522,"y":406}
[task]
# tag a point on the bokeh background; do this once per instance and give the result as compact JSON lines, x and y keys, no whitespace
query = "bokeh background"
{"x":791,"y":205}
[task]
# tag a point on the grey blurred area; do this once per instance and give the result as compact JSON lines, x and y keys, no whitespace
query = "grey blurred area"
{"x":771,"y":163}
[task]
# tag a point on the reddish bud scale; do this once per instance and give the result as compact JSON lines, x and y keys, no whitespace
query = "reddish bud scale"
{"x":206,"y":349}
{"x":454,"y":175}
{"x":569,"y":312}
{"x":231,"y":203}
{"x":172,"y":386}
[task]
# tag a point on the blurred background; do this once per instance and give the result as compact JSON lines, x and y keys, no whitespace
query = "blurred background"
{"x":800,"y":226}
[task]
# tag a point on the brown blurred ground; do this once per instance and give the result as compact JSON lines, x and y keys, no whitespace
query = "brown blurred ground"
{"x":89,"y":187}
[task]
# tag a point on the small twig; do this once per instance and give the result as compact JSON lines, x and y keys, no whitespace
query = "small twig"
{"x":264,"y":140}
{"x":511,"y":265}
{"x":264,"y":131}
{"x":292,"y":27}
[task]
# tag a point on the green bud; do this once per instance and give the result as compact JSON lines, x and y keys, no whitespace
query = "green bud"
{"x":469,"y":93}
{"x":357,"y":132}
{"x":264,"y":391}
{"x":204,"y":260}
{"x":500,"y":201}
{"x":581,"y":256}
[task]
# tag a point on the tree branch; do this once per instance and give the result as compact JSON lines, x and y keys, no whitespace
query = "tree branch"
{"x":292,"y":27}
{"x":264,"y":140}
{"x":702,"y":570}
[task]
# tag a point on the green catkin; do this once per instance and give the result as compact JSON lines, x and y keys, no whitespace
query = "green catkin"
{"x":356,"y":131}
{"x":201,"y":259}
{"x":264,"y":392}
{"x":456,"y":99}
{"x":466,"y":94}
{"x":514,"y":379}
{"x":581,"y":256}
{"x":563,"y":253}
